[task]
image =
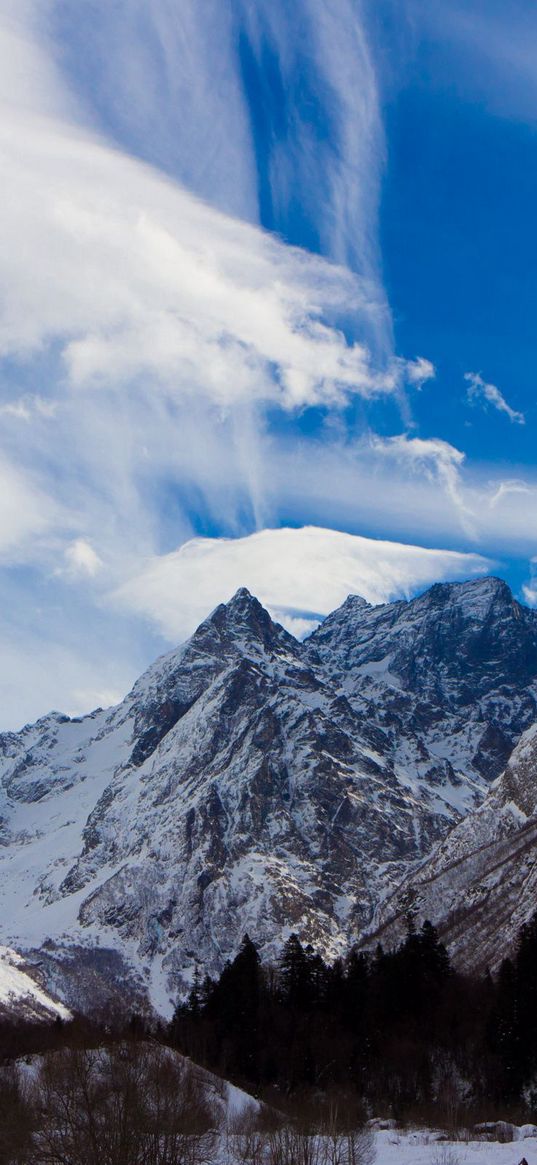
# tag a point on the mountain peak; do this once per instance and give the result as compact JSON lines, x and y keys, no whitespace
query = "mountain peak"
{"x":243,"y":619}
{"x":489,"y":584}
{"x":354,"y":603}
{"x":242,"y":598}
{"x":242,"y":607}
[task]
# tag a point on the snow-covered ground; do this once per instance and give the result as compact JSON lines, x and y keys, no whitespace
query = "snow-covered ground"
{"x":423,"y":1147}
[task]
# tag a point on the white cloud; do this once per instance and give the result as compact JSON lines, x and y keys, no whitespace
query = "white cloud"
{"x":434,"y":458}
{"x":149,"y":282}
{"x":419,"y":371}
{"x":81,"y":559}
{"x":505,"y":488}
{"x":27,"y":406}
{"x":479,"y":390}
{"x":172,"y":84}
{"x":27,"y":515}
{"x":529,"y":589}
{"x":298,"y":574}
{"x":332,"y":146}
{"x":80,"y":699}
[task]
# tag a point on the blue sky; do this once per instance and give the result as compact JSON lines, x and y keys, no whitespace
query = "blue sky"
{"x":462,"y":280}
{"x":267,"y":317}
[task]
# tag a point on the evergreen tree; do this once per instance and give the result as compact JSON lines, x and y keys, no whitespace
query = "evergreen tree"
{"x":233,"y":1003}
{"x":526,"y":990}
{"x":504,"y":1031}
{"x":295,"y":974}
{"x":434,"y":956}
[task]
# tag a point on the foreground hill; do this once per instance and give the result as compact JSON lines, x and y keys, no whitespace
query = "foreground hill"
{"x":252,"y":782}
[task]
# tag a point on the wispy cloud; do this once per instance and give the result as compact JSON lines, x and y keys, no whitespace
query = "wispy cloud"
{"x":529,"y":589}
{"x":419,"y":371}
{"x":27,"y":406}
{"x":489,"y":394}
{"x":81,"y":560}
{"x":436,"y":459}
{"x":505,"y":488}
{"x":153,"y":283}
{"x":255,"y":107}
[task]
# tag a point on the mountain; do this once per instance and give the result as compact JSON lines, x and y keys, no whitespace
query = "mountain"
{"x":480,"y":885}
{"x":252,"y":782}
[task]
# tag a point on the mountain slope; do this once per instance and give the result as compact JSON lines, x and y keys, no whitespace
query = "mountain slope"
{"x":480,"y":885}
{"x":20,"y":993}
{"x":251,"y":782}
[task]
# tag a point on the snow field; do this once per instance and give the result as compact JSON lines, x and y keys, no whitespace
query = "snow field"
{"x":423,"y":1147}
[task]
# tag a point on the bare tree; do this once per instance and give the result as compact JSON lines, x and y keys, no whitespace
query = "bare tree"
{"x":246,"y":1139}
{"x":131,"y":1104}
{"x":329,"y":1134}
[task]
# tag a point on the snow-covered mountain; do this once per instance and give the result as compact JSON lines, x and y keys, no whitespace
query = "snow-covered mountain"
{"x":452,"y":674}
{"x":252,"y":782}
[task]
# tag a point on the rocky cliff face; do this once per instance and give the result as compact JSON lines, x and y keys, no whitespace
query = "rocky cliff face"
{"x":252,"y":782}
{"x":452,"y":672}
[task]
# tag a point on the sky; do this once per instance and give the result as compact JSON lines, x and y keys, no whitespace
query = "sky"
{"x":267,"y":318}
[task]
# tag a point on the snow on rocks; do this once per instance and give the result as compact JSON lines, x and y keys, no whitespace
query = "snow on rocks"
{"x":20,"y":994}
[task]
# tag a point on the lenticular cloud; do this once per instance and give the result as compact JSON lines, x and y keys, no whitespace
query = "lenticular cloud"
{"x":300,"y":575}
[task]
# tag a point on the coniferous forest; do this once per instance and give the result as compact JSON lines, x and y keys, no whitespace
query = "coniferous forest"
{"x":401,"y":1031}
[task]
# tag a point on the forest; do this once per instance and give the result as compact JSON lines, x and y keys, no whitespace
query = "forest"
{"x":402,"y":1032}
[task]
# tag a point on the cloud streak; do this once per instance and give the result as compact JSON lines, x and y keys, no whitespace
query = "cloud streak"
{"x":481,"y":392}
